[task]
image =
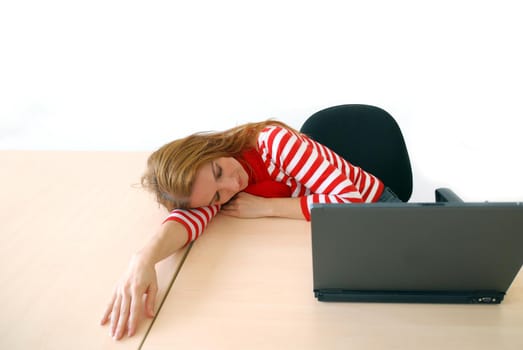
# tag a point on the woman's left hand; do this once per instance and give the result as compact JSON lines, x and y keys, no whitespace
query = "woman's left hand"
{"x":245,"y":205}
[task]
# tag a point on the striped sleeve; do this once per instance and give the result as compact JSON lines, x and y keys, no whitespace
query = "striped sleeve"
{"x":328,"y":177}
{"x":194,"y":220}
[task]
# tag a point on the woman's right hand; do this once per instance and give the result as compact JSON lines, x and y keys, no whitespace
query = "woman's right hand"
{"x":127,"y":303}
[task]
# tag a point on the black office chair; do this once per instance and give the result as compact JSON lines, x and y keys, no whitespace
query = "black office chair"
{"x":369,"y":137}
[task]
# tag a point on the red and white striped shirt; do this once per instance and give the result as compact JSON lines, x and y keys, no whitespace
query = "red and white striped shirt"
{"x":313,"y":173}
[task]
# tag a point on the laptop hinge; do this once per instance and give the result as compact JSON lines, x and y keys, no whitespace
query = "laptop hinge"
{"x":446,"y":297}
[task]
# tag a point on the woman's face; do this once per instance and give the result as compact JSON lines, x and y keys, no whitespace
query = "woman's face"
{"x":217,"y":182}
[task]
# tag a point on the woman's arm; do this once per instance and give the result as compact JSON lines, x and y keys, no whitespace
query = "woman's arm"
{"x":321,"y":174}
{"x":126,"y":304}
{"x":249,"y":206}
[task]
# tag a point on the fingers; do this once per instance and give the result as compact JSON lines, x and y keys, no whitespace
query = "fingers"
{"x":124,"y":316}
{"x":230,"y":210}
{"x":125,"y":309}
{"x":108,"y":311}
{"x":115,"y":315}
{"x":136,"y":306}
{"x":227,"y":213}
{"x":124,"y":312}
{"x":151,"y":299}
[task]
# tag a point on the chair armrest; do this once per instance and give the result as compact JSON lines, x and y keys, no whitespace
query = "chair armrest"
{"x":446,"y":195}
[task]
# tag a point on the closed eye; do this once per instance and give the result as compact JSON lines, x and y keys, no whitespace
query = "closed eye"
{"x":217,"y":173}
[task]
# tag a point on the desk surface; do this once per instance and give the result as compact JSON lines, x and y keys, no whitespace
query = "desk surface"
{"x":247,"y":284}
{"x":69,"y":222}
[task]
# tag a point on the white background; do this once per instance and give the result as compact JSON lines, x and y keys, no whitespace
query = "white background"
{"x":132,"y":75}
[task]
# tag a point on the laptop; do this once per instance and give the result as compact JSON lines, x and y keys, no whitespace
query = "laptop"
{"x":416,"y":252}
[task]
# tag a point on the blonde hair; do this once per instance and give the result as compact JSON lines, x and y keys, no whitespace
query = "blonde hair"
{"x":172,"y":168}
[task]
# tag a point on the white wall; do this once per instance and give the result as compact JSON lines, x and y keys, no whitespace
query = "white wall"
{"x":129,"y":75}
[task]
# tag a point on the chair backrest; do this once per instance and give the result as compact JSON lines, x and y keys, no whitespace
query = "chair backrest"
{"x":368,"y":137}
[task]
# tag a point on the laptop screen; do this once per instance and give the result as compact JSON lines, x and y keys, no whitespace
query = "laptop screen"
{"x":416,"y":247}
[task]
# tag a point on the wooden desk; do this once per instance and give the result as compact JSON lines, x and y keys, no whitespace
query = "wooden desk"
{"x":69,"y":222}
{"x":247,"y":284}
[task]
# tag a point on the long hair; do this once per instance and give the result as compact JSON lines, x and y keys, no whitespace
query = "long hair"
{"x":171,"y":169}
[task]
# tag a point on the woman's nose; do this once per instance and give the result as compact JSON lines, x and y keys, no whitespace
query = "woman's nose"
{"x":231,"y":185}
{"x":229,"y":188}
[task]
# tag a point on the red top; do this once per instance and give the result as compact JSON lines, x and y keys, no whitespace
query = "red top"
{"x":289,"y":164}
{"x":260,"y":182}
